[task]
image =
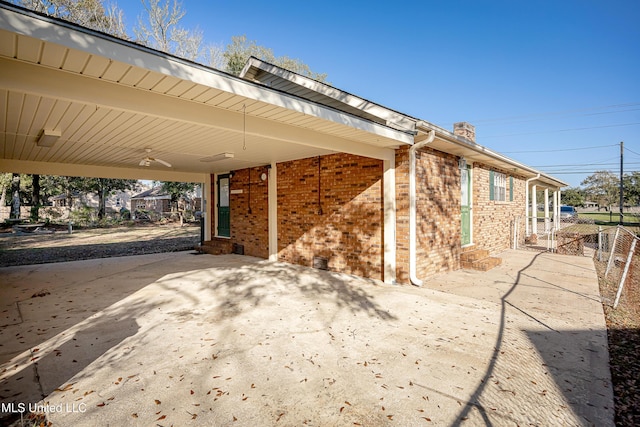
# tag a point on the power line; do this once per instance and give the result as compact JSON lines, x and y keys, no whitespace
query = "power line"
{"x":564,"y":149}
{"x":557,"y":113}
{"x":563,"y":130}
{"x":631,"y":151}
{"x":590,"y":171}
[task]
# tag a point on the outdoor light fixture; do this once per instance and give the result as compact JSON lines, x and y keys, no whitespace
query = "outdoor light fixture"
{"x":218,"y":157}
{"x":462,"y":163}
{"x":48,"y":137}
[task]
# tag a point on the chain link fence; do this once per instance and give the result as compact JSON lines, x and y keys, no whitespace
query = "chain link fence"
{"x":615,"y":251}
{"x":617,"y":261}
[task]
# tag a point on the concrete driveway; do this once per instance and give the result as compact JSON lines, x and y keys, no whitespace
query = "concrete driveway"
{"x":179,"y":339}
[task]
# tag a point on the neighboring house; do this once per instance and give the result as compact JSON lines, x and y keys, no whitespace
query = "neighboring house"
{"x":113,"y":203}
{"x":151,"y":200}
{"x":590,"y":205}
{"x":293,"y":170}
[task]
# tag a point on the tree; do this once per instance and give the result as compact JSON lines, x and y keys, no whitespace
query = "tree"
{"x":88,"y":13}
{"x":5,"y":184}
{"x":573,"y":196}
{"x":602,"y":187}
{"x":35,"y":198}
{"x":178,"y":189}
{"x":631,"y":183}
{"x":240,"y":49}
{"x":103,"y":188}
{"x":159,"y":29}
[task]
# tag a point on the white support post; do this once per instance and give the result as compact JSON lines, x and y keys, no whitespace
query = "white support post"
{"x":534,"y":210}
{"x":526,"y":209}
{"x":547,"y":227}
{"x":612,"y":252}
{"x":624,"y":273}
{"x":389,"y":192}
{"x":273,"y":212}
{"x":207,"y":206}
{"x":557,"y":208}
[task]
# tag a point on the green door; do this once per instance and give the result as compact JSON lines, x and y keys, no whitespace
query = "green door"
{"x":224,"y":211}
{"x":465,"y":192}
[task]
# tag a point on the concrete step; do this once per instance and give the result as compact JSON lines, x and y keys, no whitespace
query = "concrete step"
{"x":474,"y":255}
{"x":478,"y":259}
{"x":216,"y":246}
{"x":484,"y":264}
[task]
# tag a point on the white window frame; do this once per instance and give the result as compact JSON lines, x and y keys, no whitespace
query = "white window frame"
{"x":499,"y":187}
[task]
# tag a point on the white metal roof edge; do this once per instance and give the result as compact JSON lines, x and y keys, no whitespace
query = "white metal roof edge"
{"x":28,"y":23}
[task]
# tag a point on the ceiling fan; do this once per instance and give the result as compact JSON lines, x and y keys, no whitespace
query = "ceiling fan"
{"x":147,"y":160}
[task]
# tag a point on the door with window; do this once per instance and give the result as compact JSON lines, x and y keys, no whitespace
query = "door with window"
{"x":465,"y":194}
{"x":224,"y":210}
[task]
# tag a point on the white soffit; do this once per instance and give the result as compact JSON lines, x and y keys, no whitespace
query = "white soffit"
{"x":43,"y":41}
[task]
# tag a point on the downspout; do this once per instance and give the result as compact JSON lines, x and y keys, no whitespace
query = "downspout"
{"x":526,"y":204}
{"x":413,"y":235}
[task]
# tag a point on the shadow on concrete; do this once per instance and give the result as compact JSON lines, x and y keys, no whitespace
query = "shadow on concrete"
{"x":570,"y":351}
{"x":61,"y":363}
{"x":221,"y":288}
{"x":568,"y":356}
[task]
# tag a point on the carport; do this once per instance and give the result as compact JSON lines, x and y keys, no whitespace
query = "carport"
{"x":78,"y":102}
{"x":174,"y":339}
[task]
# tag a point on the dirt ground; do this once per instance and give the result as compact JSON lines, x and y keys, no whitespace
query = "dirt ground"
{"x":623,"y":327}
{"x":59,"y":246}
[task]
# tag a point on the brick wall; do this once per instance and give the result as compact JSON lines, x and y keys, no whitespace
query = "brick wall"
{"x":332,"y":207}
{"x":493,"y":220}
{"x":438,"y":213}
{"x":250,"y":211}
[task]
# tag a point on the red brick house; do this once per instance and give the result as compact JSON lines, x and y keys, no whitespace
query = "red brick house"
{"x":364,"y":216}
{"x":292,"y":169}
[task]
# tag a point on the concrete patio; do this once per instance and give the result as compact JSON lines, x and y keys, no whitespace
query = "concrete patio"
{"x":180,"y":339}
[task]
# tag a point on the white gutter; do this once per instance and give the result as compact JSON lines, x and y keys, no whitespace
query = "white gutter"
{"x":526,"y":204}
{"x":413,"y":237}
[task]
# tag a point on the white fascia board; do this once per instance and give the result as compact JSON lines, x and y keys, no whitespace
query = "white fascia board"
{"x":102,"y":45}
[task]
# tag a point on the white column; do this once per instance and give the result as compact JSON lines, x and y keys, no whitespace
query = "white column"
{"x":389,"y":194}
{"x":556,"y":207}
{"x":534,"y":210}
{"x":207,"y":206}
{"x":526,"y":208}
{"x":273,"y":212}
{"x":546,"y":211}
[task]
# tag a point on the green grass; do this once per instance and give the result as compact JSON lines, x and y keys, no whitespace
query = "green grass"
{"x":608,"y":218}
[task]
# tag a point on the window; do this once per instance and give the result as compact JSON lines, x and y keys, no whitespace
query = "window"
{"x":497,"y":186}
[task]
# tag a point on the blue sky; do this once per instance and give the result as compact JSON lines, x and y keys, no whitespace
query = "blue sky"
{"x":543,"y":81}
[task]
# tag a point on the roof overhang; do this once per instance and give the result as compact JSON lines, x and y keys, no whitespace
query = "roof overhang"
{"x":450,"y":143}
{"x":284,"y":80}
{"x":111,"y":99}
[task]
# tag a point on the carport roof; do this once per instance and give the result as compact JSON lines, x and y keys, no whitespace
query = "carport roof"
{"x":110,"y":99}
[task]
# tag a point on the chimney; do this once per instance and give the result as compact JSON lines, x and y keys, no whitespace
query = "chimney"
{"x":465,"y":130}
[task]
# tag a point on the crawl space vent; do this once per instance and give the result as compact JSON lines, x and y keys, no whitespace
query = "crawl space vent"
{"x":320,"y":263}
{"x":237,"y":249}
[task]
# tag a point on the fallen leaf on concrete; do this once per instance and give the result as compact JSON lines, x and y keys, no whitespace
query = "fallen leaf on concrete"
{"x":65,"y":388}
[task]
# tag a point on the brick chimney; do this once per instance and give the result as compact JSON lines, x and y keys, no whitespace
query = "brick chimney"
{"x":465,"y":130}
